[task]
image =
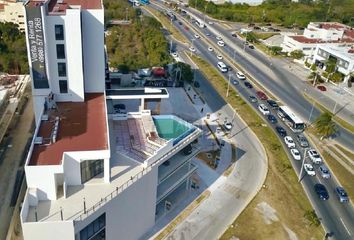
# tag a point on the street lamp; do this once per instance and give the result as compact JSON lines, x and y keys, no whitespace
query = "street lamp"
{"x":205,"y":10}
{"x":302,"y":164}
{"x":228,"y":86}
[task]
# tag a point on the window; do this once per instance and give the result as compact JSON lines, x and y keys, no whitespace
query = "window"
{"x":61,"y":69}
{"x":95,"y":230}
{"x":60,"y":51}
{"x":90,"y":169}
{"x":63,"y":86}
{"x":59,"y":32}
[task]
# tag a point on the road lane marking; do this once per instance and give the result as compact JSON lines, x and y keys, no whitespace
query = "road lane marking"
{"x":345,"y":226}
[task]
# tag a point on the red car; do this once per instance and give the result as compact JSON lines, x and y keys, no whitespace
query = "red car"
{"x":261,"y":95}
{"x":322,"y":88}
{"x":187,"y":28}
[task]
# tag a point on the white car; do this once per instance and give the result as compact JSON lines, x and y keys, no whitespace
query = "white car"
{"x":221,"y":43}
{"x":196,"y":36}
{"x":218,"y":38}
{"x":295,"y":153}
{"x":219,"y":57}
{"x":289,"y":142}
{"x":263,"y":108}
{"x":210,"y":23}
{"x":309,"y":169}
{"x":174,"y":54}
{"x":314,"y":156}
{"x":240,"y":75}
{"x":210,"y":49}
{"x":228,"y":126}
{"x":192,"y":49}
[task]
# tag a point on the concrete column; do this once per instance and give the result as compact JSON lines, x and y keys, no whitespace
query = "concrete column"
{"x":107,"y":170}
{"x":142,"y":106}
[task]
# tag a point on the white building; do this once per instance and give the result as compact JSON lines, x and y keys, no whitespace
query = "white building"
{"x":12,"y":11}
{"x":343,"y":55}
{"x":100,"y":166}
{"x":319,"y":33}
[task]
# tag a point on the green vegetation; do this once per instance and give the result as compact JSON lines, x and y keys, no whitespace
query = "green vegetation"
{"x":297,"y":54}
{"x":311,"y":216}
{"x":13,"y":53}
{"x":183,"y":71}
{"x":284,"y":12}
{"x":136,"y":45}
{"x":325,"y":126}
{"x":281,"y":178}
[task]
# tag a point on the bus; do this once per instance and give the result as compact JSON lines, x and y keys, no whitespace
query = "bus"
{"x":290,"y":119}
{"x":199,"y":23}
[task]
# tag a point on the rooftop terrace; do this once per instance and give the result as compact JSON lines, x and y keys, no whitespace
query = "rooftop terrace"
{"x":60,"y":6}
{"x":82,"y":127}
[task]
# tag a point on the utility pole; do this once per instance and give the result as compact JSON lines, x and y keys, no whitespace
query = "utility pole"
{"x":302,"y":164}
{"x":126,"y":14}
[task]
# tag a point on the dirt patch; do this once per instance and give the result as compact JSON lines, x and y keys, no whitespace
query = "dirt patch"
{"x":269,"y":213}
{"x":209,"y":157}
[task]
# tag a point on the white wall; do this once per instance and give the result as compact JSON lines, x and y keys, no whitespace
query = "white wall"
{"x":129,"y":215}
{"x":42,"y":178}
{"x":73,"y":55}
{"x":93,"y":55}
{"x":49,"y":230}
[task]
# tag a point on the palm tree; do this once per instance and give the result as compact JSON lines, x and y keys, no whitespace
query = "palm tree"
{"x":325,"y":126}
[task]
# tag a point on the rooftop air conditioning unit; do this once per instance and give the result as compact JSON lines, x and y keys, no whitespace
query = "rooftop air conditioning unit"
{"x":45,"y":117}
{"x":38,"y":140}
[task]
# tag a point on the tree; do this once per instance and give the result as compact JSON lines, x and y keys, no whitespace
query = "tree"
{"x":297,"y":54}
{"x":325,"y":126}
{"x":311,"y":216}
{"x":331,"y":65}
{"x":185,"y":71}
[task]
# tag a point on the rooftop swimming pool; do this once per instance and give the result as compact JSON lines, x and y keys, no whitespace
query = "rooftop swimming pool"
{"x":170,"y":127}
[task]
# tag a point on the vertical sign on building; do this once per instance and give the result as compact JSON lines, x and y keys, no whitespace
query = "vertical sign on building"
{"x":36,"y":46}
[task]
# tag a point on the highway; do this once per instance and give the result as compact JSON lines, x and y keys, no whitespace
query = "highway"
{"x":336,"y":218}
{"x":280,"y":81}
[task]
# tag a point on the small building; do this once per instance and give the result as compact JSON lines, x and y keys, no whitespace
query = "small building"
{"x":319,"y":33}
{"x":343,"y":55}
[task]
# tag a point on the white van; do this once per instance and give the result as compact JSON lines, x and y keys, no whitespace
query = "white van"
{"x":222,"y":67}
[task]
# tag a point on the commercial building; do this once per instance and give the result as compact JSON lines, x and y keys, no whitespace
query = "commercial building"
{"x":100,"y":165}
{"x":12,"y":11}
{"x":319,"y":33}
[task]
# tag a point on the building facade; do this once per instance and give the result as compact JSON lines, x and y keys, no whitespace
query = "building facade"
{"x":12,"y":11}
{"x":319,"y":33}
{"x":100,"y":165}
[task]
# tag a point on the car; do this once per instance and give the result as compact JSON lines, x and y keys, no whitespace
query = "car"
{"x":221,"y":43}
{"x":219,"y":57}
{"x":207,"y":34}
{"x":235,"y":82}
{"x":186,"y":28}
{"x":251,"y":46}
{"x":263,"y":108}
{"x":234,"y":35}
{"x":174,"y":54}
{"x":120,"y":108}
{"x":210,"y":23}
{"x":210,"y":49}
{"x":341,"y":195}
{"x":309,"y":169}
{"x":321,"y":191}
{"x":180,"y":23}
{"x":303,"y":141}
{"x":192,"y":49}
{"x":196,"y":84}
{"x":322,"y":88}
{"x":273,"y":104}
{"x":261,"y":95}
{"x":246,"y":43}
{"x":240,"y":75}
{"x":272,"y":118}
{"x":248,"y":85}
{"x":281,"y":131}
{"x":218,"y":38}
{"x":289,"y":142}
{"x":324,"y":171}
{"x":295,"y":153}
{"x":314,"y":156}
{"x":227,"y":126}
{"x":253,"y":99}
{"x":196,"y":36}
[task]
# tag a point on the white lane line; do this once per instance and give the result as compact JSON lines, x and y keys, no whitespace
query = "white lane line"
{"x":345,"y":226}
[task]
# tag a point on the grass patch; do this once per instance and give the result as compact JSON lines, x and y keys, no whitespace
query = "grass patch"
{"x":263,"y":35}
{"x":281,"y":178}
{"x":166,"y":24}
{"x":337,"y":119}
{"x":167,"y":230}
{"x":340,"y":155}
{"x":345,"y":151}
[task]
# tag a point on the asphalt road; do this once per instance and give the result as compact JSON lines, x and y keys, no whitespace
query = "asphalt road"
{"x":336,"y":217}
{"x":281,"y":82}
